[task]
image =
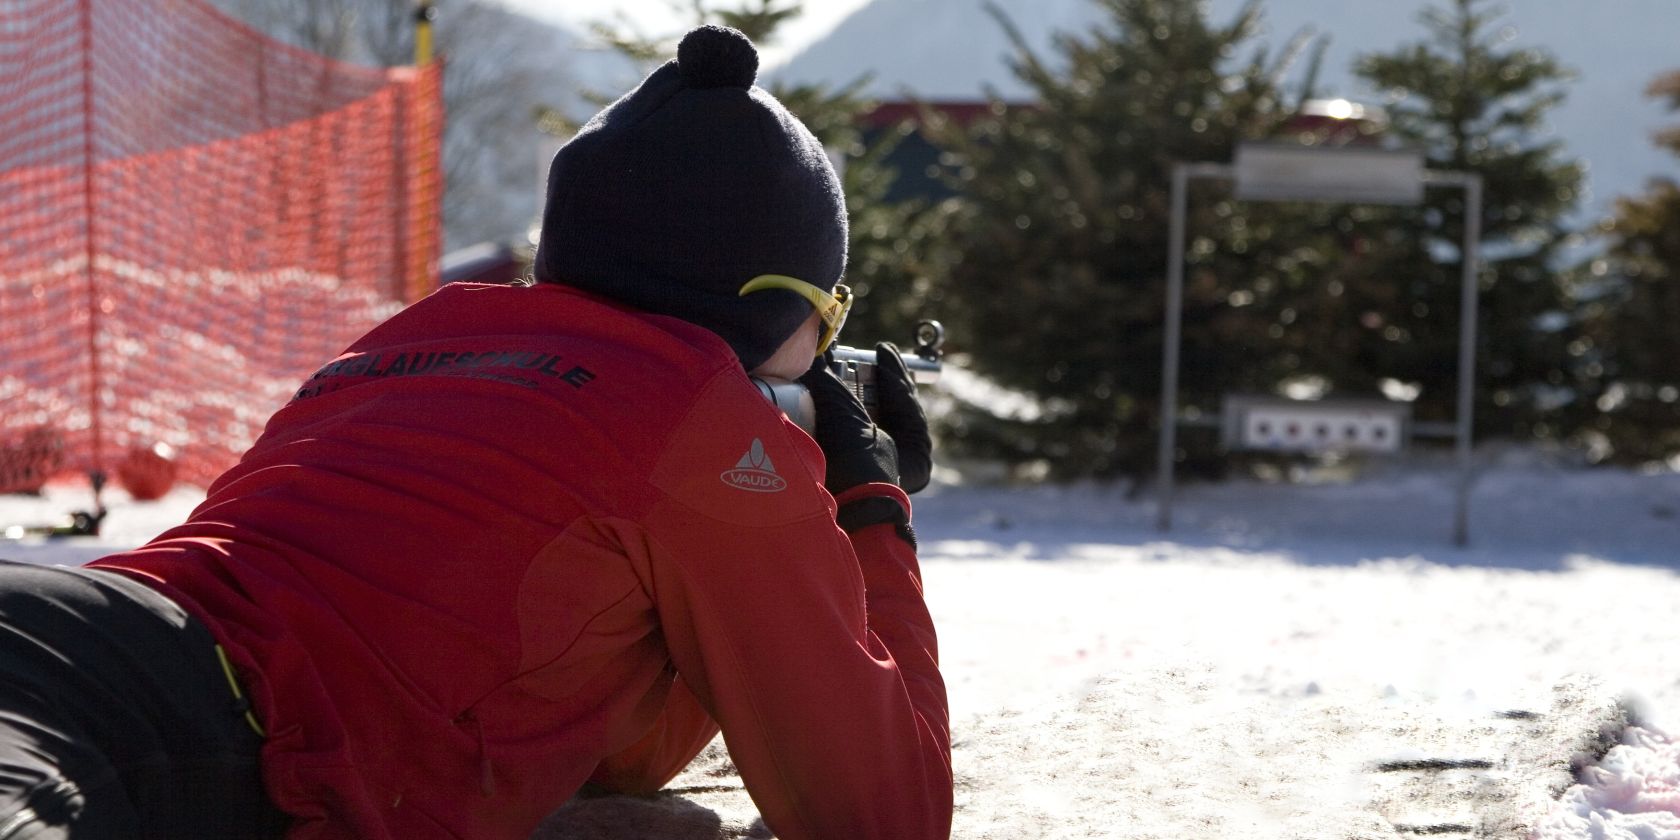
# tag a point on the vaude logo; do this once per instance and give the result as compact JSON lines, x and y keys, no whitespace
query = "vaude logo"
{"x":754,"y":472}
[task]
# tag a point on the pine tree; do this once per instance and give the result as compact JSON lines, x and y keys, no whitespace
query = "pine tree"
{"x":1471,"y":101}
{"x":1632,"y":346}
{"x":758,"y":20}
{"x":1058,"y":282}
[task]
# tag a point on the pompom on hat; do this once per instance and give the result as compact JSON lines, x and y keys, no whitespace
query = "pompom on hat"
{"x":675,"y":196}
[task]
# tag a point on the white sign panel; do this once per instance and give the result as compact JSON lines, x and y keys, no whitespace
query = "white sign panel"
{"x":1352,"y":174}
{"x":1278,"y":425}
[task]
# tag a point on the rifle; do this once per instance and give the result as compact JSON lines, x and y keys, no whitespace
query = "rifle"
{"x":856,"y":368}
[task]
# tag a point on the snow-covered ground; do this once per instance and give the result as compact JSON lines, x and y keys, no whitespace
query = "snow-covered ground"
{"x":1292,"y":661}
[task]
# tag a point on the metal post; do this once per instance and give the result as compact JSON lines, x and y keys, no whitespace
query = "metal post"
{"x":1471,"y":254}
{"x":1169,"y":356}
{"x":423,"y":17}
{"x":1470,"y":182}
{"x":95,"y":301}
{"x":416,"y":223}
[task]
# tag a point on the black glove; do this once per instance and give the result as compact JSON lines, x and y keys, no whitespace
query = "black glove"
{"x":857,"y":451}
{"x":899,"y":413}
{"x":860,"y":452}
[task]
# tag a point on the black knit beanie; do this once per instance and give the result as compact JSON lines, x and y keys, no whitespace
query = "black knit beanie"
{"x":694,"y":183}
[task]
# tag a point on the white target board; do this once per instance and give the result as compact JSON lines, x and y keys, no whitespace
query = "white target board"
{"x":1275,"y":424}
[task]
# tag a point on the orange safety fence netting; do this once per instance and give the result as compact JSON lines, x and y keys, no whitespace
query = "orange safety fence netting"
{"x":192,"y":218}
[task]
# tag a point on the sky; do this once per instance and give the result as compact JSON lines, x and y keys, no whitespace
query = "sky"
{"x":656,"y":17}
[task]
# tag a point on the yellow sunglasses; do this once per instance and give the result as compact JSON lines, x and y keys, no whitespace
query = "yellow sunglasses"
{"x":832,"y":308}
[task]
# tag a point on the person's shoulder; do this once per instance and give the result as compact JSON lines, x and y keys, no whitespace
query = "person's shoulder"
{"x":559,"y":313}
{"x":661,"y":365}
{"x":683,"y":357}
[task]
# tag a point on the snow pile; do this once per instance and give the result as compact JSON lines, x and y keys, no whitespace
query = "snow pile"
{"x":1632,"y":794}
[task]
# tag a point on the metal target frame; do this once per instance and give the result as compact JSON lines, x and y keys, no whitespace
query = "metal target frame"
{"x":1340,"y":175}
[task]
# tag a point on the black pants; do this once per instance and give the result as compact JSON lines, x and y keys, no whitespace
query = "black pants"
{"x":117,"y":718}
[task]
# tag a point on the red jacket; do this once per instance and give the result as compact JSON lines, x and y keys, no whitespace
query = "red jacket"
{"x":516,"y":538}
